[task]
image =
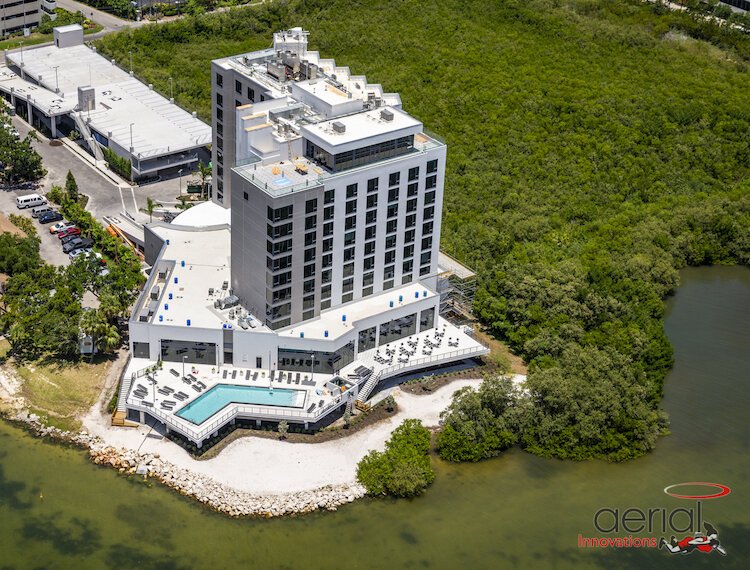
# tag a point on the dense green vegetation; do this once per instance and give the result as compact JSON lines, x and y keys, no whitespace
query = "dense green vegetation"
{"x":403,"y":469}
{"x":19,"y":162}
{"x":595,"y":147}
{"x":118,"y":164}
{"x":479,"y":424}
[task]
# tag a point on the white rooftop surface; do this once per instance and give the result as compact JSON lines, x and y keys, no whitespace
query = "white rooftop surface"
{"x":360,"y":126}
{"x":120,"y":100}
{"x":331,"y":320}
{"x":324,"y":91}
{"x":206,"y":257}
{"x":49,"y":101}
{"x":446,"y":264}
{"x":203,"y":215}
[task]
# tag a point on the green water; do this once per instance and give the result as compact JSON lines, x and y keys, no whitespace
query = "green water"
{"x":516,"y":511}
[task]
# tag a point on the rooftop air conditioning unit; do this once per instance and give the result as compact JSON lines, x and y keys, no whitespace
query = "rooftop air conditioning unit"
{"x":339,"y":127}
{"x":386,"y":115}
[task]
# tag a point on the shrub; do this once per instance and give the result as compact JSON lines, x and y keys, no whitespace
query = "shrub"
{"x":117,"y":163}
{"x":480,"y":424}
{"x":55,"y":195}
{"x":403,"y":469}
{"x":24,"y":224}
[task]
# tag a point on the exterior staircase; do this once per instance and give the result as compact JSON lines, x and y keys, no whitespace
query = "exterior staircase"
{"x":83,"y":128}
{"x":366,"y":390}
{"x":119,"y":418}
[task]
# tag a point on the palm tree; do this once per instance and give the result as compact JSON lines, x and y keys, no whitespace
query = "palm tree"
{"x":110,"y":338}
{"x":151,"y":205}
{"x":204,"y":171}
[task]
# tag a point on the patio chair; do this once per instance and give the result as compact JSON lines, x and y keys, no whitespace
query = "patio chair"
{"x":224,"y":376}
{"x":234,"y":374}
{"x":247,"y":375}
{"x":311,"y":408}
{"x":174,"y":373}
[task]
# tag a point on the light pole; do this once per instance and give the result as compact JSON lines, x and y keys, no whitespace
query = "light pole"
{"x":184,"y":358}
{"x":130,"y":53}
{"x":171,"y":89}
{"x":57,"y":84}
{"x":131,"y":137}
{"x":312,"y":367}
{"x":180,"y":173}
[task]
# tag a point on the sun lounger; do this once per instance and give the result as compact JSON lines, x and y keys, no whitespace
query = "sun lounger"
{"x":201,"y":385}
{"x":163,"y":391}
{"x":297,"y":380}
{"x":196,"y":388}
{"x":147,"y":404}
{"x":186,"y":380}
{"x":224,"y":376}
{"x":247,"y":375}
{"x":174,"y":372}
{"x":255,"y":376}
{"x":311,"y":408}
{"x":191,"y":378}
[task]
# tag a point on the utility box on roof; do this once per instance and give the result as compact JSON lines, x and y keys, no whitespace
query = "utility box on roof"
{"x":68,"y":36}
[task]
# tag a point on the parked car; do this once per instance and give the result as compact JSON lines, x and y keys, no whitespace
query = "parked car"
{"x":77,"y":243}
{"x":68,"y":239}
{"x":73,"y":231}
{"x":50,"y":217}
{"x":77,"y":252}
{"x":39,"y":210}
{"x":60,"y":226}
{"x":30,"y":201}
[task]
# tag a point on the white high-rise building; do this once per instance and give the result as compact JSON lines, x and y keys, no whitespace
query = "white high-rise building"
{"x":311,"y":276}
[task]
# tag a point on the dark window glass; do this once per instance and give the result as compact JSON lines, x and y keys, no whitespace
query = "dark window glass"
{"x":351,"y":223}
{"x":372,"y":200}
{"x":387,"y":284}
{"x":393,"y":194}
{"x":424,"y":270}
{"x":372,"y":185}
{"x":219,"y":100}
{"x":328,"y":213}
{"x":394,"y":178}
{"x":219,"y":80}
{"x":427,"y":319}
{"x":308,"y":286}
{"x":141,"y":350}
{"x":279,"y":214}
{"x":348,"y":270}
{"x":367,"y":291}
{"x":279,"y":231}
{"x":426,"y":257}
{"x":325,"y":291}
{"x":407,"y":266}
{"x":390,"y":256}
{"x":325,"y":277}
{"x":219,"y":114}
{"x":327,"y":229}
{"x":408,"y":236}
{"x":238,"y":86}
{"x":369,"y":248}
{"x":311,"y":222}
{"x":325,"y":304}
{"x":347,"y":297}
{"x":370,"y":232}
{"x":429,"y":213}
{"x":350,"y":238}
{"x":390,"y":227}
{"x":191,"y":352}
{"x":310,"y":270}
{"x":307,"y":315}
{"x":347,"y":285}
{"x":349,"y":254}
{"x":371,"y":216}
{"x":279,"y":247}
{"x":412,"y":189}
{"x":368,"y":279}
{"x":388,"y":272}
{"x":426,"y":243}
{"x":244,"y":195}
{"x":390,"y":241}
{"x":327,"y":244}
{"x":367,"y":338}
{"x":311,"y":206}
{"x":432,"y":166}
{"x":411,"y":205}
{"x":427,"y":228}
{"x":351,"y":207}
{"x":309,"y":254}
{"x":398,"y":328}
{"x":351,"y":191}
{"x":408,"y":251}
{"x":251,"y":94}
{"x":369,"y":263}
{"x":429,"y":197}
{"x":392,"y":211}
{"x":406,"y":278}
{"x":413,"y":173}
{"x":328,"y":196}
{"x":431,"y":182}
{"x":310,"y":238}
{"x":327,"y":260}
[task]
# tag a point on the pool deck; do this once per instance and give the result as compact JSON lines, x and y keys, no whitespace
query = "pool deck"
{"x":153,"y":391}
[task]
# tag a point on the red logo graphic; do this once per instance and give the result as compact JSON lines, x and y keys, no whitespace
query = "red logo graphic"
{"x":723,"y":490}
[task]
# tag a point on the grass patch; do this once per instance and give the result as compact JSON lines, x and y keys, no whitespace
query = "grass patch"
{"x":61,"y":393}
{"x":4,"y":349}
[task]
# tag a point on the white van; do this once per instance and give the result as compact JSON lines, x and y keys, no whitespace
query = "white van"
{"x":30,"y":201}
{"x":39,"y":210}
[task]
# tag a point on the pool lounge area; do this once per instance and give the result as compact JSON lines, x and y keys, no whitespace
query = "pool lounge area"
{"x":221,"y":395}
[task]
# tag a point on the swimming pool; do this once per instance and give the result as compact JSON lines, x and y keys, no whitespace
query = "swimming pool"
{"x":221,"y":395}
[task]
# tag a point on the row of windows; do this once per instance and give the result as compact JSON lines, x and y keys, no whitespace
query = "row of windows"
{"x":393,"y":193}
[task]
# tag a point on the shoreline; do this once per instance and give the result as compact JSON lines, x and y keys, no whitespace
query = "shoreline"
{"x":252,"y":476}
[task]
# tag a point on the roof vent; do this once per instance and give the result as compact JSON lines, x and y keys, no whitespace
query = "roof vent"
{"x":386,"y":115}
{"x":339,"y":127}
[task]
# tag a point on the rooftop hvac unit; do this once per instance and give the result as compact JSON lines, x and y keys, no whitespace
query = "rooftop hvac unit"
{"x":386,"y":115}
{"x":339,"y":127}
{"x":155,"y":292}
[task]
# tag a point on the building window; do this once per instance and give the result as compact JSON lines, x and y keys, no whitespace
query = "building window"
{"x":348,"y":270}
{"x":310,"y":238}
{"x":432,"y":166}
{"x":367,"y":291}
{"x":219,"y":80}
{"x":141,"y":350}
{"x":368,"y":279}
{"x":219,"y":100}
{"x":370,"y":232}
{"x":390,"y":226}
{"x":325,"y":277}
{"x":349,"y":254}
{"x":369,"y":263}
{"x":407,"y":266}
{"x":424,"y":270}
{"x":392,"y":211}
{"x":351,"y":207}
{"x":325,"y":292}
{"x":413,"y":173}
{"x":408,"y":251}
{"x":258,"y":362}
{"x":244,"y":195}
{"x":327,"y":260}
{"x":387,"y":285}
{"x":412,"y":189}
{"x":238,"y":87}
{"x":327,"y":244}
{"x":310,"y":270}
{"x":311,"y":222}
{"x":394,"y":178}
{"x":282,"y":230}
{"x":279,"y":247}
{"x":311,"y":206}
{"x":350,"y":223}
{"x":251,"y":94}
{"x":351,"y":191}
{"x":309,"y":286}
{"x":350,"y":238}
{"x":369,"y":248}
{"x":372,"y":185}
{"x":329,"y":196}
{"x":426,"y":257}
{"x":372,"y":200}
{"x":307,"y":315}
{"x":408,"y":236}
{"x":310,"y":255}
{"x":367,"y":339}
{"x":327,"y":229}
{"x":328,"y":213}
{"x":219,"y":143}
{"x":219,"y":115}
{"x":325,"y":304}
{"x":279,"y":214}
{"x":390,"y":256}
{"x":398,"y":328}
{"x":411,"y":205}
{"x":191,"y":352}
{"x":371,"y":216}
{"x":429,"y":197}
{"x":427,"y":319}
{"x":347,"y":297}
{"x":427,"y":228}
{"x":393,"y":194}
{"x":308,"y":302}
{"x":429,"y":213}
{"x":388,"y":272}
{"x":426,"y":243}
{"x":431,"y":182}
{"x":347,"y":286}
{"x":390,"y":241}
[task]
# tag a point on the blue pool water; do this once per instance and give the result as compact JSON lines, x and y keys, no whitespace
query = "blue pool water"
{"x":198,"y":411}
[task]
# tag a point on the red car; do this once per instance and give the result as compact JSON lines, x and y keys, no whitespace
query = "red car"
{"x":74,"y":231}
